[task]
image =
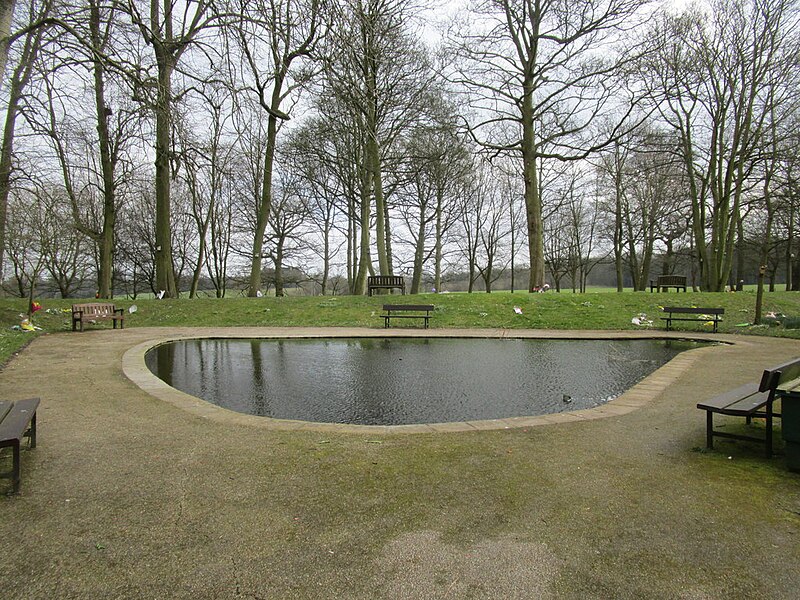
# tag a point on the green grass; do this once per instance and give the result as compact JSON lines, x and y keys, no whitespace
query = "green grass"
{"x":594,"y":310}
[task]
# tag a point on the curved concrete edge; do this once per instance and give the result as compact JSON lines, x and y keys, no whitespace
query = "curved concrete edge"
{"x":644,"y":392}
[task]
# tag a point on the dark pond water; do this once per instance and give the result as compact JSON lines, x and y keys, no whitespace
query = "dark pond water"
{"x":395,"y":381}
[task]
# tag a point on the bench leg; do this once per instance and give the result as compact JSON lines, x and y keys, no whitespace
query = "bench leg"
{"x":768,"y":440}
{"x":15,"y":467}
{"x":32,"y":432}
{"x":386,"y":322}
{"x":709,"y":430}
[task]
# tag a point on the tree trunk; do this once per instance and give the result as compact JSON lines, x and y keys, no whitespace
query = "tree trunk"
{"x":165,"y":274}
{"x":105,"y":269}
{"x":20,"y":79}
{"x":279,"y":291}
{"x":6,"y":14}
{"x":533,"y":201}
{"x":264,"y":207}
{"x":364,"y":260}
{"x":419,"y":252}
{"x":437,"y":261}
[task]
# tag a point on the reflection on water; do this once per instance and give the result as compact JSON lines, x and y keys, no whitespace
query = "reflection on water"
{"x":377,"y":381}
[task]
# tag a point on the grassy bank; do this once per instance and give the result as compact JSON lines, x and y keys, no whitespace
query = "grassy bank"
{"x":600,"y":310}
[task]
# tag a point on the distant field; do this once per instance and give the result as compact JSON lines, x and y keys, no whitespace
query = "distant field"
{"x":597,"y":309}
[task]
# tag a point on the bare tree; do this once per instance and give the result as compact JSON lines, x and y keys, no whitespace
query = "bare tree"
{"x":712,"y":77}
{"x":273,"y":36}
{"x":20,"y":78}
{"x":537,"y":65}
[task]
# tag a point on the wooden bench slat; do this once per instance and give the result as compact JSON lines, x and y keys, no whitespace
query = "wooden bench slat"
{"x":428,"y":307}
{"x":16,"y":421}
{"x":745,"y":401}
{"x":391,"y":311}
{"x":4,"y":408}
{"x":93,"y":311}
{"x":730,"y":397}
{"x":703,"y":314}
{"x":375,"y":282}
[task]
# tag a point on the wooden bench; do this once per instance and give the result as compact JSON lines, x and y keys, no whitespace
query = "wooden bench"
{"x":385,"y":282}
{"x":664,"y":282}
{"x":97,"y":311}
{"x":17,"y":420}
{"x":391,"y":311}
{"x":749,"y":401}
{"x":704,"y":315}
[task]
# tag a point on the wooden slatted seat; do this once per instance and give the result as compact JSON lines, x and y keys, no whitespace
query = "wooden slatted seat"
{"x":752,"y":400}
{"x":17,"y":421}
{"x":391,"y":312}
{"x":386,"y":282}
{"x":703,"y":315}
{"x":97,"y":311}
{"x":664,"y":282}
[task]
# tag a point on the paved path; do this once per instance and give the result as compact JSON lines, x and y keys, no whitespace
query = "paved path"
{"x":134,"y":495}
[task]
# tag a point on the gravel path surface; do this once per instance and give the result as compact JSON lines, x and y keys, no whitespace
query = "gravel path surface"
{"x":131,"y":494}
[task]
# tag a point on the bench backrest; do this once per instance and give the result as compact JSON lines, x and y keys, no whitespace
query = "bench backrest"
{"x":694,"y":311}
{"x":779,"y":375}
{"x":672,"y":280}
{"x":96,"y":309}
{"x":427,"y":307}
{"x":385,"y":280}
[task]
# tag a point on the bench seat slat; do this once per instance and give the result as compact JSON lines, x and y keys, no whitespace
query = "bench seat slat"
{"x":730,"y":397}
{"x":427,"y":307}
{"x":742,"y":406}
{"x":16,"y":420}
{"x":4,"y":408}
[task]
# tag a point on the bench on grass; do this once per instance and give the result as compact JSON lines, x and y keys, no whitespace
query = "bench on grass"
{"x":664,"y":282}
{"x":17,"y":420}
{"x":385,"y":282}
{"x":703,"y":315}
{"x":97,"y":311}
{"x":391,"y":312}
{"x":752,"y":400}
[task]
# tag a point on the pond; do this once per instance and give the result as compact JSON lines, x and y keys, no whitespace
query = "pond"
{"x":399,"y":381}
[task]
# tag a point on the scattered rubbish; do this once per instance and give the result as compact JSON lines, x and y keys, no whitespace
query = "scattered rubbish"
{"x":133,"y":308}
{"x":641,"y":320}
{"x":374,"y":442}
{"x":25,"y":324}
{"x":483,"y":314}
{"x":160,"y":294}
{"x":566,"y":399}
{"x":518,"y":310}
{"x":35,"y":306}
